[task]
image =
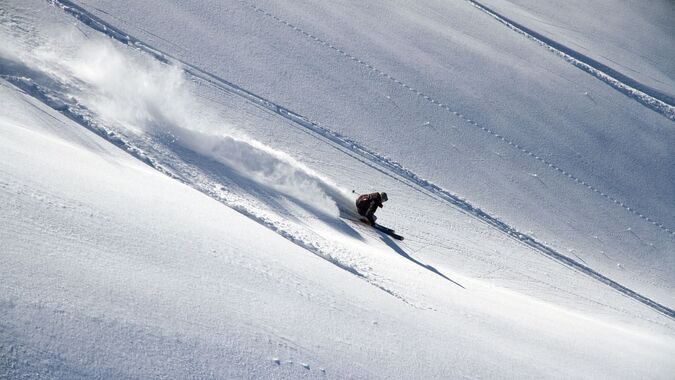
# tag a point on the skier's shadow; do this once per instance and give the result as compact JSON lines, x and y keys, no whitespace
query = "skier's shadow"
{"x":390,"y":242}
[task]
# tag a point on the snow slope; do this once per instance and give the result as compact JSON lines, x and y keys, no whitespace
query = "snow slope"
{"x":631,"y":37}
{"x":112,"y":269}
{"x":519,"y":131}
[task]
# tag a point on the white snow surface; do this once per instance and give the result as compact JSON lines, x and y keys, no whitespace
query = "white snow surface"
{"x":520,"y":132}
{"x":180,"y":206}
{"x":631,"y":36}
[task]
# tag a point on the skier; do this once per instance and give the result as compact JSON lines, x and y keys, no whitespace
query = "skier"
{"x":367,"y":204}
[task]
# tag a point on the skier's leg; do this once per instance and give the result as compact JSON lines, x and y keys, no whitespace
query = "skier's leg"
{"x":361,"y":207}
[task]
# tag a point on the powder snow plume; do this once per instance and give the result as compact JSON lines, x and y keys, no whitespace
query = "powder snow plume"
{"x":132,"y":91}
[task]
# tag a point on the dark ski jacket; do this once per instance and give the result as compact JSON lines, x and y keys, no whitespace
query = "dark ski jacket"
{"x":367,"y":204}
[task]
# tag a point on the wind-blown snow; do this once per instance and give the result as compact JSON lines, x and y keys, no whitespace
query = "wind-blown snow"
{"x":138,"y":94}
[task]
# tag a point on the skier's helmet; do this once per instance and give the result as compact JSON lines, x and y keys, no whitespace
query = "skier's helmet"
{"x":384,"y":196}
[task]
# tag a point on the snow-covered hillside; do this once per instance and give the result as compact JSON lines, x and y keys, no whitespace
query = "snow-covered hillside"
{"x":519,"y":131}
{"x":176,"y":184}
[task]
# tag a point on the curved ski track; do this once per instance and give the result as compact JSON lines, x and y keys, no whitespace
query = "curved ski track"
{"x":354,"y":149}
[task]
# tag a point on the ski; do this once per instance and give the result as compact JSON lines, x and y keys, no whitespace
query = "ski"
{"x":387,"y":231}
{"x":376,"y":226}
{"x":379,"y":227}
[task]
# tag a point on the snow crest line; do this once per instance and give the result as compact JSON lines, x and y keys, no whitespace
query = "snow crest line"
{"x":646,"y":95}
{"x":483,"y":128}
{"x":395,"y":169}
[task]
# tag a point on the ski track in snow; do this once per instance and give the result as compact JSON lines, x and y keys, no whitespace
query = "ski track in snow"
{"x":161,"y":151}
{"x":383,"y":164}
{"x":647,"y":96}
{"x":558,"y":170}
{"x":160,"y":158}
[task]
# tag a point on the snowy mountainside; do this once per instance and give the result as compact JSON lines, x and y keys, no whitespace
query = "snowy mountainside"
{"x":112,"y":269}
{"x":632,"y":37}
{"x":443,"y":89}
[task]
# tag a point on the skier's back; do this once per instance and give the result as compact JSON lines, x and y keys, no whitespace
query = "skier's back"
{"x":367,"y":204}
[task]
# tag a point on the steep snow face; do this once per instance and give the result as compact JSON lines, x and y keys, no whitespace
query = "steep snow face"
{"x":112,"y":270}
{"x":461,"y":100}
{"x":139,"y":95}
{"x":633,"y":37}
